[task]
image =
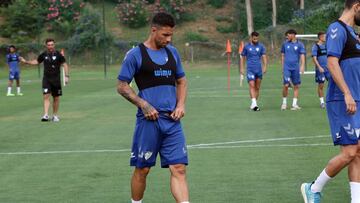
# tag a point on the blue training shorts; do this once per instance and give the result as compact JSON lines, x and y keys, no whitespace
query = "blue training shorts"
{"x":321,"y":77}
{"x":253,"y":75}
{"x":345,"y":128}
{"x":292,"y":76}
{"x":164,"y":136}
{"x":14,"y":75}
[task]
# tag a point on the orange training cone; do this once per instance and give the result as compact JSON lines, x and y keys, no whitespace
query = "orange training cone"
{"x":228,"y":46}
{"x":241,"y":47}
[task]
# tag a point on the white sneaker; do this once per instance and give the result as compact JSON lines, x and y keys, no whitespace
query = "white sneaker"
{"x":55,"y":119}
{"x":283,"y":107}
{"x":45,"y":118}
{"x":295,"y":108}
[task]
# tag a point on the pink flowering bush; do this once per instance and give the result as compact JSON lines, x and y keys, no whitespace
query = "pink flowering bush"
{"x":133,"y":13}
{"x":63,"y":14}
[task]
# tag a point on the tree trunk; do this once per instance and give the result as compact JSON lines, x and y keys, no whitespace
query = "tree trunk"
{"x":249,"y":16}
{"x":274,"y":13}
{"x":302,"y":4}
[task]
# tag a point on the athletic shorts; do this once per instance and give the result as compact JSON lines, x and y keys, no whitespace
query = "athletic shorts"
{"x":345,"y":128}
{"x":14,"y":75}
{"x":253,"y":75}
{"x":321,"y":77}
{"x":52,"y":86}
{"x":164,"y":136}
{"x":292,"y":76}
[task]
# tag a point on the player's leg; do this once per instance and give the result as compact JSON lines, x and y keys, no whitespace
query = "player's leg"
{"x":285,"y":90}
{"x":257,"y":87}
{"x":321,"y":95}
{"x":46,"y":99}
{"x":295,"y":78}
{"x":145,"y":148}
{"x":173,"y":154}
{"x":252,"y":90}
{"x":138,"y":183}
{"x":354,"y":177}
{"x":178,"y":183}
{"x":10,"y":84}
{"x":56,"y":92}
{"x":18,"y":89}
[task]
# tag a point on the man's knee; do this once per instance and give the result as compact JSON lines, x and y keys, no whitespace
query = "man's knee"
{"x":141,"y":172}
{"x":178,"y":170}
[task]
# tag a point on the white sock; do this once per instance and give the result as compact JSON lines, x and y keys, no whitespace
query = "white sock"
{"x":355,"y":192}
{"x":322,"y":100}
{"x":295,"y":102}
{"x":320,"y":182}
{"x":253,"y":102}
{"x":284,"y":100}
{"x":18,"y":90}
{"x":133,"y":201}
{"x":9,"y":90}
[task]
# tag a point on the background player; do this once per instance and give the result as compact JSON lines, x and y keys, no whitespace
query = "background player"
{"x":256,"y":63}
{"x":13,"y":59}
{"x":293,"y":62}
{"x":319,"y":55}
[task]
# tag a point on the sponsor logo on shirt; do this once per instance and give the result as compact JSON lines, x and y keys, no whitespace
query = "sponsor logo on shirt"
{"x":162,"y":73}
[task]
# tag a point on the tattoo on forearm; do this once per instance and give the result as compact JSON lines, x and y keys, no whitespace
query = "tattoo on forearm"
{"x":128,"y":93}
{"x":147,"y":108}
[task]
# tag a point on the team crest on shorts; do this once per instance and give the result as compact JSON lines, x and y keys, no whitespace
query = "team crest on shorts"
{"x":147,"y":155}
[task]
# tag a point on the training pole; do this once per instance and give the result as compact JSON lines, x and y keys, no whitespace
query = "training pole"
{"x":228,"y":51}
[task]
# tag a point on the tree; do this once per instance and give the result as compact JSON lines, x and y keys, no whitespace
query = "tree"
{"x":249,"y":16}
{"x":274,"y":14}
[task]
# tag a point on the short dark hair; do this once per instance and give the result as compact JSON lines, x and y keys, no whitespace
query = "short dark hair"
{"x":163,"y":19}
{"x":320,"y":33}
{"x":12,"y":46}
{"x":291,"y":31}
{"x":350,"y":3}
{"x":254,"y":34}
{"x":49,"y":40}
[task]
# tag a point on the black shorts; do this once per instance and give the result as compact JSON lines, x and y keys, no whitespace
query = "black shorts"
{"x":52,"y":86}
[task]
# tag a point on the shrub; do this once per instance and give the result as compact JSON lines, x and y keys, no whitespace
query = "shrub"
{"x":193,"y":36}
{"x":217,"y":3}
{"x":133,"y":14}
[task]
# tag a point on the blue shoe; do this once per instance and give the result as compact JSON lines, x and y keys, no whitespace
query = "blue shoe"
{"x":310,"y":197}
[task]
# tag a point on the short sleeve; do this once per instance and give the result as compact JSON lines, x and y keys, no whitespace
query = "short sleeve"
{"x":244,"y":51}
{"x":129,"y":66}
{"x":314,"y":50}
{"x":302,"y":49}
{"x":41,"y":58}
{"x":61,"y":58}
{"x":263,"y":50}
{"x":335,"y":40}
{"x":179,"y":68}
{"x":283,"y":48}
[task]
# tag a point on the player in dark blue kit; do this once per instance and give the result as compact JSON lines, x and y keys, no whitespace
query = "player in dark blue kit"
{"x":319,"y":54}
{"x":51,"y":83}
{"x":293,"y":62}
{"x":13,"y":59}
{"x":256,"y":63}
{"x":342,"y":103}
{"x":162,"y":85}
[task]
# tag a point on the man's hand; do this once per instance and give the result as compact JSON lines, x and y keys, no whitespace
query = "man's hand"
{"x":350,"y":104}
{"x":321,"y":70}
{"x":149,"y":112}
{"x":66,"y":79}
{"x":302,"y":69}
{"x":178,"y":113}
{"x":264,"y":70}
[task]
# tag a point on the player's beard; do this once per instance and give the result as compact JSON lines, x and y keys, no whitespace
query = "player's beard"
{"x":357,"y":18}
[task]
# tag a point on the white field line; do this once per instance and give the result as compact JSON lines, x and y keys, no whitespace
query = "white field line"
{"x":218,"y":145}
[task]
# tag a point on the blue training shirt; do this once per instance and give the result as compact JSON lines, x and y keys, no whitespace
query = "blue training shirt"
{"x":163,"y":97}
{"x":336,"y":38}
{"x":321,"y":59}
{"x":292,"y":52}
{"x":13,"y":61}
{"x":253,"y":54}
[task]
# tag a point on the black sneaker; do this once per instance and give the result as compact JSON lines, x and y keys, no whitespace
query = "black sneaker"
{"x":45,"y":118}
{"x":256,"y":108}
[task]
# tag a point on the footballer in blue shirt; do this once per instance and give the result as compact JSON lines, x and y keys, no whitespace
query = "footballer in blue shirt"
{"x":254,"y":53}
{"x":293,"y":62}
{"x":13,"y":59}
{"x":161,"y":81}
{"x":342,"y":104}
{"x":319,"y":55}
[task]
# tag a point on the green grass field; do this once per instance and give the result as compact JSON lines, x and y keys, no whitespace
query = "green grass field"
{"x":245,"y":157}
